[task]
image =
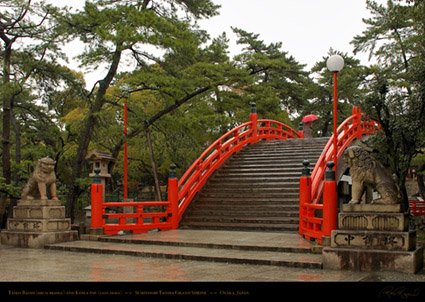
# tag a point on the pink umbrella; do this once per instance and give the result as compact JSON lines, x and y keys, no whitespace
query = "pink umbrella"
{"x":309,"y":118}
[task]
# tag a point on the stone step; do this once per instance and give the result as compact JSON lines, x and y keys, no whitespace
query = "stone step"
{"x":210,"y":212}
{"x":260,"y":169}
{"x":254,"y":190}
{"x":242,"y":219}
{"x":250,"y":248}
{"x":266,"y":165}
{"x":239,"y":195}
{"x":248,"y":186}
{"x":235,"y":226}
{"x":239,"y":174}
{"x":302,"y":142}
{"x":257,"y":179}
{"x":296,"y":160}
{"x":281,"y":152}
{"x":243,"y":195}
{"x":228,"y":206}
{"x":257,"y":200}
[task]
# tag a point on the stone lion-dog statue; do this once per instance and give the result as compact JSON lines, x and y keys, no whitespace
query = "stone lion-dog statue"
{"x":42,"y":177}
{"x":367,"y":171}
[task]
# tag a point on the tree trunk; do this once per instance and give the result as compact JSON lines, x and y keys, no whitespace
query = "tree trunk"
{"x":87,"y":133}
{"x":154,"y":171}
{"x":13,"y":200}
{"x":6,"y":123}
{"x":420,"y":180}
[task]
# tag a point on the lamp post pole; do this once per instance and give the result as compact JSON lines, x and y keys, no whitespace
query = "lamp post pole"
{"x":125,"y":149}
{"x":335,"y":63}
{"x":126,"y":90}
{"x":330,"y":196}
{"x":335,"y":74}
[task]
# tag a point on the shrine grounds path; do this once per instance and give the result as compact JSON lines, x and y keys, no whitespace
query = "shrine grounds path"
{"x":36,"y":272}
{"x":47,"y":265}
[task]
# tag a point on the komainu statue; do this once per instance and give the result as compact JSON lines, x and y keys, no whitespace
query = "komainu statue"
{"x":42,"y":177}
{"x":366,"y":171}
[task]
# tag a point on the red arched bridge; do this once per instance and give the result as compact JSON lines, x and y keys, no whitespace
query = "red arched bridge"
{"x":252,"y":177}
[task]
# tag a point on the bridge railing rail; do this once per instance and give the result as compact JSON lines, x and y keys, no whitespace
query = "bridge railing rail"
{"x":228,"y":144}
{"x":312,"y":188}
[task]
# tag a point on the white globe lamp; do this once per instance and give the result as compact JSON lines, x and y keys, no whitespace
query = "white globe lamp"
{"x":335,"y":63}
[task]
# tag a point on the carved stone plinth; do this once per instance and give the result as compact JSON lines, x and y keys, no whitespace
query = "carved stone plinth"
{"x":400,"y":241}
{"x":373,"y":237}
{"x":36,"y":223}
{"x":397,"y":222}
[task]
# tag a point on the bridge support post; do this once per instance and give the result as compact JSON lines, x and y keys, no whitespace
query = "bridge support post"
{"x":253,"y":119}
{"x":305,"y":194}
{"x":330,"y":198}
{"x":173,"y":197}
{"x":96,"y":204}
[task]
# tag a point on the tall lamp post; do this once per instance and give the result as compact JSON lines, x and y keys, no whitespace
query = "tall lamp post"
{"x":335,"y":63}
{"x":126,"y":90}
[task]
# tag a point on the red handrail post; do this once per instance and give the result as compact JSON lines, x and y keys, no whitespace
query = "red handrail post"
{"x":305,"y":194}
{"x":173,"y":197}
{"x":253,"y":119}
{"x":96,"y":201}
{"x":330,"y":199}
{"x":301,"y":130}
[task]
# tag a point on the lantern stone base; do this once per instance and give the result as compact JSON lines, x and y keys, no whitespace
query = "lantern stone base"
{"x":36,"y":223}
{"x":372,"y":238}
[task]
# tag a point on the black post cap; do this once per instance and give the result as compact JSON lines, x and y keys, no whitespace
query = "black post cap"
{"x":96,"y":177}
{"x":173,"y":173}
{"x":330,"y":173}
{"x":306,"y":169}
{"x":253,"y":108}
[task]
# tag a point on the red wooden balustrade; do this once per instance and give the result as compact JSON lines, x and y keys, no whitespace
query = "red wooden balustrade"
{"x":167,"y":214}
{"x":417,"y":207}
{"x":181,"y":192}
{"x":312,"y":224}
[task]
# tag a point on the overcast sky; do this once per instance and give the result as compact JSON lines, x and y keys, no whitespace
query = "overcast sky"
{"x":306,"y":28}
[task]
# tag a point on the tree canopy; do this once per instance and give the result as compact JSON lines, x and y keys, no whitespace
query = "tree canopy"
{"x":182,"y":88}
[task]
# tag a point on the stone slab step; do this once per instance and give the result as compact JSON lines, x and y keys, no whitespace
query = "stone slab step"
{"x":260,"y":175}
{"x":242,"y":219}
{"x":295,"y":160}
{"x":254,"y":200}
{"x":250,"y":186}
{"x":257,"y":227}
{"x":241,"y":207}
{"x":264,"y":165}
{"x":223,"y":174}
{"x":249,"y":213}
{"x":207,"y":250}
{"x":283,"y":180}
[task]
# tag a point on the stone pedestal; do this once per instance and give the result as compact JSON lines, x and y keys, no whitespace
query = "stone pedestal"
{"x":373,"y":238}
{"x":36,"y":223}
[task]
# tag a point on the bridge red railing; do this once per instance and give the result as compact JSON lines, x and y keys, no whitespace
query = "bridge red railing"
{"x":417,"y":207}
{"x":165,"y":215}
{"x":216,"y":154}
{"x":312,"y":186}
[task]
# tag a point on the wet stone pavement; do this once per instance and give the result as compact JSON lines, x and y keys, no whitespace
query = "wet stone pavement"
{"x":38,"y":268}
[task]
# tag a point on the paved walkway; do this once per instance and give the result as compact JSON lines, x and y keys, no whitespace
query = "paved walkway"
{"x":43,"y":265}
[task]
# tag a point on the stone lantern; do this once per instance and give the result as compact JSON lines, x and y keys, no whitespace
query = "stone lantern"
{"x":100,"y":160}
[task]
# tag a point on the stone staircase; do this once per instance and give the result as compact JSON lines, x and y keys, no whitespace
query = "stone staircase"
{"x":255,"y":190}
{"x":247,"y":214}
{"x":248,"y":248}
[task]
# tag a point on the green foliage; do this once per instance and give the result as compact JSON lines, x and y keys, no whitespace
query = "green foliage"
{"x":395,"y":87}
{"x":186,"y":89}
